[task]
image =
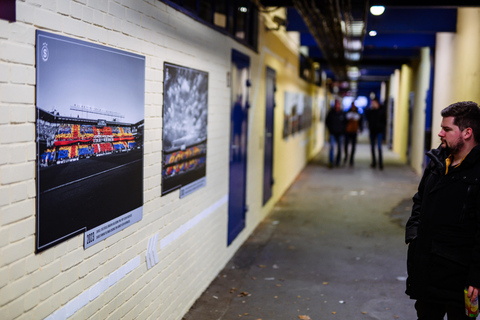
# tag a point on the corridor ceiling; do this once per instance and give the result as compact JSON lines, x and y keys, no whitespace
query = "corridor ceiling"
{"x":337,"y":35}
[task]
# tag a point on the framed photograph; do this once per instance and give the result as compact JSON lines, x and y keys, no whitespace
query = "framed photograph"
{"x":89,"y":130}
{"x":297,"y":113}
{"x":289,"y":110}
{"x":306,"y":115}
{"x":185,"y":119}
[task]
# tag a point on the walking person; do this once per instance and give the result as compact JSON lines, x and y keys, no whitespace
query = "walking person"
{"x":377,"y":123}
{"x":443,"y":232}
{"x":336,"y":126}
{"x":354,"y":125}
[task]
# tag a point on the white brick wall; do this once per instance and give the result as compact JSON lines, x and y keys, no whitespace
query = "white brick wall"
{"x":16,"y":53}
{"x":36,"y":286}
{"x":47,"y":19}
{"x":99,"y":5}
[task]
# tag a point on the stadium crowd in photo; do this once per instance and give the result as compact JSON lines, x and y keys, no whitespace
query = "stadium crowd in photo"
{"x":64,"y":139}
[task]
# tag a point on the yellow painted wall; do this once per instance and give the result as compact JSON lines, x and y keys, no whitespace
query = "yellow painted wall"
{"x":467,"y":61}
{"x":279,"y":51}
{"x":400,"y":135}
{"x":444,"y":82}
{"x":392,"y":104}
{"x":457,"y":66}
{"x":422,"y":83}
{"x":457,"y":78}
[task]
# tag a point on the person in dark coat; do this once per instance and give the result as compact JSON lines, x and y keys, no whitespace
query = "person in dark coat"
{"x":377,"y":122}
{"x":443,"y":232}
{"x":335,"y":122}
{"x":353,"y":126}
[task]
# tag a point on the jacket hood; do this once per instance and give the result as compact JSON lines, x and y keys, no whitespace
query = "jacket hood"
{"x":437,"y":158}
{"x":473,"y":156}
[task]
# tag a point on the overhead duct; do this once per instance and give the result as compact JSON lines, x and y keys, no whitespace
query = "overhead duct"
{"x":336,"y":27}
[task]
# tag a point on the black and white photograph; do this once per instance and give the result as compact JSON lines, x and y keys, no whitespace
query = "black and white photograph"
{"x":289,"y":108}
{"x":90,"y":134}
{"x":297,"y":113}
{"x":307,"y":112}
{"x":185,"y":117}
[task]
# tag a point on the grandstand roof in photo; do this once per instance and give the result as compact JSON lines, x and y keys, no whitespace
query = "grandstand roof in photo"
{"x":55,"y":117}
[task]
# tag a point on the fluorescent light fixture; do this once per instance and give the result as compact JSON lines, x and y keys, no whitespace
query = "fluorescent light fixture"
{"x":352,"y":45}
{"x":377,"y":10}
{"x":355,"y":28}
{"x":372,"y":33}
{"x":304,"y":50}
{"x":352,"y":56}
{"x":353,"y":73}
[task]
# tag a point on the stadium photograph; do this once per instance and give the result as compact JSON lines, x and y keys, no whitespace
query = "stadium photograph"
{"x":185,"y":118}
{"x":90,"y":133}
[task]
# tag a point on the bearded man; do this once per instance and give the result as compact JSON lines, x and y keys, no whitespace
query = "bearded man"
{"x":443,"y":231}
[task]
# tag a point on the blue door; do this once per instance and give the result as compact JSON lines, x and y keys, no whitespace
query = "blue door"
{"x":268,"y":149}
{"x":238,"y":144}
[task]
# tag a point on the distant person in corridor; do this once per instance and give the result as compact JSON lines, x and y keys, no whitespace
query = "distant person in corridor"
{"x":354,"y":125}
{"x":377,"y":123}
{"x":336,"y":127}
{"x":443,"y":230}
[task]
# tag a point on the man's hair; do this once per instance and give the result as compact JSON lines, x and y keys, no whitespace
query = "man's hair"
{"x":466,"y":114}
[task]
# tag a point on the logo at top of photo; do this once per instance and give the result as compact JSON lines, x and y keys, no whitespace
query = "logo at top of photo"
{"x":45,"y":53}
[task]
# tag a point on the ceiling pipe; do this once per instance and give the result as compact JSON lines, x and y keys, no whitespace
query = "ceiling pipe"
{"x":349,"y":9}
{"x":327,"y":32}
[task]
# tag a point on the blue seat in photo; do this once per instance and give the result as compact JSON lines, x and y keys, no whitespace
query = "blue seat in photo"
{"x":62,"y":154}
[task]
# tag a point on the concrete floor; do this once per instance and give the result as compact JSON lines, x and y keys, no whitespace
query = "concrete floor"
{"x":332,"y":248}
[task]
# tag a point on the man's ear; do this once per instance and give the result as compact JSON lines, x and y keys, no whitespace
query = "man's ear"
{"x":468,"y":133}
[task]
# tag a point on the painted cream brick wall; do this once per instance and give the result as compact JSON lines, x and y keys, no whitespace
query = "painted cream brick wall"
{"x":62,"y":281}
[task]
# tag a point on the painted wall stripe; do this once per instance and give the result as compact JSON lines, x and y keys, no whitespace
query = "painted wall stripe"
{"x":94,"y":291}
{"x":190,"y":224}
{"x":97,"y":289}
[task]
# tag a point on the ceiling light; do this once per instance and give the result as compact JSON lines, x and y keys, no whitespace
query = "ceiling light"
{"x":242,"y":9}
{"x":354,"y":73}
{"x":355,"y":28}
{"x":372,"y":33}
{"x":352,"y":56}
{"x":353,"y":45}
{"x":377,"y":10}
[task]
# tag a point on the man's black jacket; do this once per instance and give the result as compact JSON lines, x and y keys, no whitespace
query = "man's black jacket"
{"x":443,"y":230}
{"x":336,"y":122}
{"x":377,"y":120}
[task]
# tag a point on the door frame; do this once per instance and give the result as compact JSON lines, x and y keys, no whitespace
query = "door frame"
{"x":270,"y":74}
{"x":240,"y":61}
